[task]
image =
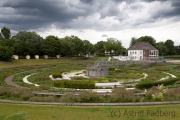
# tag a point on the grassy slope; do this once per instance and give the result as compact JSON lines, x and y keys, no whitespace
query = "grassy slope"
{"x":24,"y":62}
{"x":37,"y":112}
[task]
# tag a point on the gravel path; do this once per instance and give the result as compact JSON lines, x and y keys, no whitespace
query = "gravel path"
{"x":8,"y":80}
{"x":92,"y":104}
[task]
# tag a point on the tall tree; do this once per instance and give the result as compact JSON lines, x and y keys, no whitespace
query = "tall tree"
{"x":113,"y":45}
{"x":149,"y":39}
{"x":99,"y":47}
{"x":133,"y":41}
{"x":88,"y":47}
{"x":51,"y":46}
{"x":1,"y":37}
{"x":6,"y":33}
{"x":6,"y":49}
{"x":162,"y":48}
{"x":77,"y":45}
{"x":177,"y":50}
{"x":29,"y":41}
{"x":66,"y":49}
{"x":170,"y":46}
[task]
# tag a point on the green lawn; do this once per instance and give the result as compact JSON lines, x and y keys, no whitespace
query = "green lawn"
{"x":25,"y":62}
{"x":41,"y":112}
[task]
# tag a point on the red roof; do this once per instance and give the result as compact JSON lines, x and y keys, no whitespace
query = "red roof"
{"x":142,"y":46}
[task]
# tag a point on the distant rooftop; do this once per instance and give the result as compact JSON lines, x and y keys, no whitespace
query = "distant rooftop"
{"x":142,"y":46}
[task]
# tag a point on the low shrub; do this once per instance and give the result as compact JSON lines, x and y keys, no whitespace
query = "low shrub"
{"x":147,"y":85}
{"x":57,"y":74}
{"x":79,"y":78}
{"x":112,"y":68}
{"x":15,"y":93}
{"x":177,"y":82}
{"x":74,"y":84}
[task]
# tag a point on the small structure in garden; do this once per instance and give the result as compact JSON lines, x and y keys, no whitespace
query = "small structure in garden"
{"x":97,"y":71}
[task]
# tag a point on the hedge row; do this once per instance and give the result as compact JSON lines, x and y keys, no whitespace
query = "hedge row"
{"x":151,"y":84}
{"x":57,"y":74}
{"x":74,"y":84}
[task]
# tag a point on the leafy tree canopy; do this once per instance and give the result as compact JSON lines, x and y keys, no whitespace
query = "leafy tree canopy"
{"x":51,"y":46}
{"x":149,"y":39}
{"x":6,"y":34}
{"x":28,"y":43}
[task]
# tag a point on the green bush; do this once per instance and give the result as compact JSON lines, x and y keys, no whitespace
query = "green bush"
{"x":147,"y":85}
{"x":112,"y":68}
{"x":57,"y":74}
{"x":74,"y":84}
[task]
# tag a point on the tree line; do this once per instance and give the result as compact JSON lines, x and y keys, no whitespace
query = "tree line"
{"x":30,"y":43}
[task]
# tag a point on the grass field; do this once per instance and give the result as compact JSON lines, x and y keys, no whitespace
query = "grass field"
{"x":25,"y":62}
{"x":40,"y":112}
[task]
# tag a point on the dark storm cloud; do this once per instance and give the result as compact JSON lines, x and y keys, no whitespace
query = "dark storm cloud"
{"x":30,"y":14}
{"x":65,"y":14}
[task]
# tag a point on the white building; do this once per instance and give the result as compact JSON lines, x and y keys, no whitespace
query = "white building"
{"x":142,"y":49}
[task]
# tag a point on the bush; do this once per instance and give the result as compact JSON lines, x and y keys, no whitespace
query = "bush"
{"x":112,"y":68}
{"x":57,"y":74}
{"x":151,"y":84}
{"x":75,"y":84}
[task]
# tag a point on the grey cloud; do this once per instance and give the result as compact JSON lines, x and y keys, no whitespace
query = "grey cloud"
{"x":41,"y":13}
{"x":104,"y":35}
{"x":127,"y":1}
{"x":81,"y":31}
{"x":87,"y":1}
{"x":174,"y":10}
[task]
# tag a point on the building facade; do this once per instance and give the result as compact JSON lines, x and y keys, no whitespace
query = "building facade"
{"x":142,"y":49}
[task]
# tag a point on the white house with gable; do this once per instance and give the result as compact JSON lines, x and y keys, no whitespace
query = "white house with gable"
{"x":142,"y":49}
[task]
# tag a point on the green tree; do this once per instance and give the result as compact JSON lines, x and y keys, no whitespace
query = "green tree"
{"x":29,"y":41}
{"x":51,"y":46}
{"x":6,"y":49}
{"x":99,"y":48}
{"x":177,"y":50}
{"x":6,"y":33}
{"x":133,"y":41}
{"x":114,"y":45}
{"x":77,"y":45}
{"x":66,"y":50}
{"x":1,"y":37}
{"x":170,"y":46}
{"x":149,"y":39}
{"x":87,"y":47}
{"x":163,"y":50}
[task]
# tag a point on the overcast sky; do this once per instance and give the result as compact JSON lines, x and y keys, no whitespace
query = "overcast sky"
{"x":94,"y":20}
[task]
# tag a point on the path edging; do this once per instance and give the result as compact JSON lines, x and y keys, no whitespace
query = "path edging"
{"x":91,"y":104}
